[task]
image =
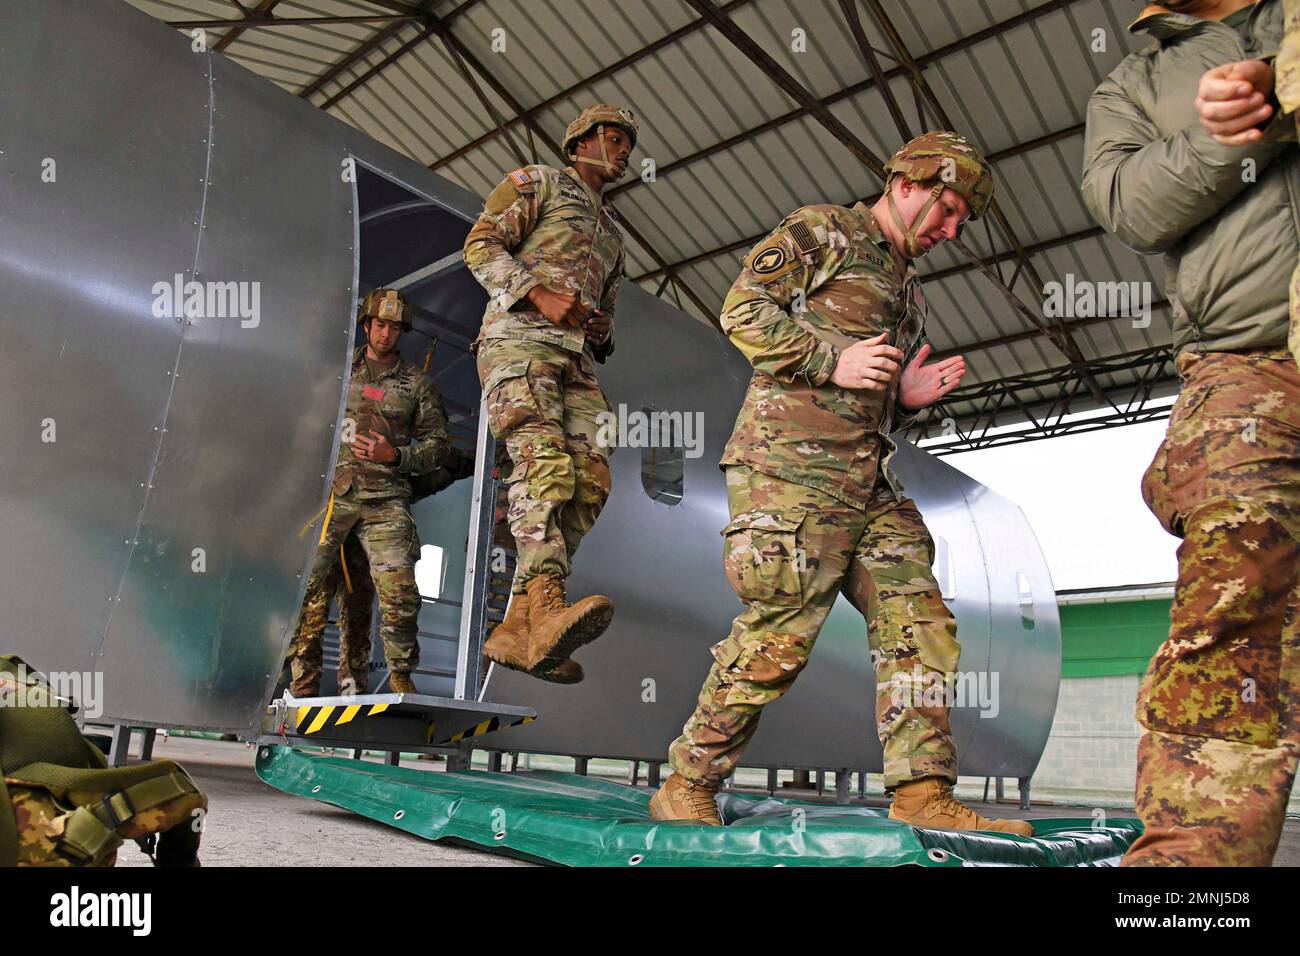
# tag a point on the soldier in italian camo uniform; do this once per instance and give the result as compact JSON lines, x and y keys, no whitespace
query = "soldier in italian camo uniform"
{"x":828,"y":311}
{"x":394,"y":430}
{"x":548,"y":250}
{"x":1218,"y":705}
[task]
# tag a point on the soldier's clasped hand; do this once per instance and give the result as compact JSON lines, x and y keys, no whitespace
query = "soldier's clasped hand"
{"x":870,"y":365}
{"x":597,"y":326}
{"x":562,"y":308}
{"x":376,"y":448}
{"x":1232,"y":101}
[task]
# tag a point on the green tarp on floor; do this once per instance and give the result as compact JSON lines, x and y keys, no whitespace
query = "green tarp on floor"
{"x":574,"y":820}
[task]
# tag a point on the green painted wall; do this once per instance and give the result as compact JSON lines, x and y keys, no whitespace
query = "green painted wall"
{"x":1112,"y":639}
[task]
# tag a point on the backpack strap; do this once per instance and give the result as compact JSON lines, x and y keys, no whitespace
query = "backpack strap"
{"x":91,"y":830}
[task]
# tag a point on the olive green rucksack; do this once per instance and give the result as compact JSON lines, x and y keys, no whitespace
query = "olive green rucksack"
{"x":61,"y":804}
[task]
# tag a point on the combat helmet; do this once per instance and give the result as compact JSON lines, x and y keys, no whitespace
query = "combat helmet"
{"x":949,"y":160}
{"x":597,"y":117}
{"x":388,"y":304}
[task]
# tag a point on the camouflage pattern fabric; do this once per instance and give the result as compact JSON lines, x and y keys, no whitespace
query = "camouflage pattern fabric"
{"x":1219,"y":702}
{"x":825,"y":278}
{"x":1286,"y":70}
{"x":543,"y":404}
{"x":789,"y":550}
{"x":544,"y":226}
{"x":401,"y":404}
{"x":355,"y":607}
{"x":391,"y":545}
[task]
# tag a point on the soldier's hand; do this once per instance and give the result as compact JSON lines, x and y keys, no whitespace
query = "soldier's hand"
{"x":1232,"y":101}
{"x":869,"y":365}
{"x":562,"y":308}
{"x":374,"y":448}
{"x":597,"y":326}
{"x":923,"y":385}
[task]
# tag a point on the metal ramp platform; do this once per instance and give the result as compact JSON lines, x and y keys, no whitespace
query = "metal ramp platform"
{"x":575,"y":820}
{"x":393,"y":722}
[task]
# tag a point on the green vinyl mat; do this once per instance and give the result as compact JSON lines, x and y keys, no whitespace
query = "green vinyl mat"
{"x":575,"y":820}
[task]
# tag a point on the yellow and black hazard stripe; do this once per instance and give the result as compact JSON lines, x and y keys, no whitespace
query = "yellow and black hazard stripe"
{"x":309,"y":720}
{"x":478,"y":730}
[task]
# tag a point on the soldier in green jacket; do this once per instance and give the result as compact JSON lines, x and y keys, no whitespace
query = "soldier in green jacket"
{"x":394,"y":429}
{"x":1217,"y":756}
{"x":828,"y":311}
{"x":548,"y":250}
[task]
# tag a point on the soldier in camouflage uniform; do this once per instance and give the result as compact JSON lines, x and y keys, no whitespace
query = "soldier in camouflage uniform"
{"x":355,"y":594}
{"x":1218,"y":705}
{"x":548,"y":250}
{"x":394,"y":429}
{"x":349,"y":584}
{"x":828,"y":311}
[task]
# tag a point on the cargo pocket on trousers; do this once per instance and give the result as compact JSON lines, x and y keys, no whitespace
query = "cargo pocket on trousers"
{"x":764,"y":558}
{"x":1174,"y":482}
{"x":510,"y":401}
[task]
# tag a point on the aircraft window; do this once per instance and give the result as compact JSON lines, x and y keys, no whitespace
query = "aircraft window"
{"x":1026,"y":600}
{"x":663,"y":461}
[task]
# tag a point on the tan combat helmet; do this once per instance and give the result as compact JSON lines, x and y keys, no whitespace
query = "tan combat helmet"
{"x":949,"y":160}
{"x":598,"y":117}
{"x":387,"y":304}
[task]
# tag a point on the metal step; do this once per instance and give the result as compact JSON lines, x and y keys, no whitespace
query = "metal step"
{"x":386,"y":721}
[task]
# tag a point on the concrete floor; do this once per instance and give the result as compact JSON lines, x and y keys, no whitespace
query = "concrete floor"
{"x":251,"y":824}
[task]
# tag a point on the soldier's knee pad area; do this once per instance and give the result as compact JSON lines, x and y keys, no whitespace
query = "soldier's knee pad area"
{"x":757,"y":667}
{"x":1222,"y":673}
{"x":546,"y":470}
{"x":914,"y":629}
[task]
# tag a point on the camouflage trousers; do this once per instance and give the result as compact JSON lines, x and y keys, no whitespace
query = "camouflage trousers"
{"x":1220,"y":702}
{"x":789,"y":551}
{"x":348,"y":580}
{"x":388,"y":538}
{"x":544,"y":404}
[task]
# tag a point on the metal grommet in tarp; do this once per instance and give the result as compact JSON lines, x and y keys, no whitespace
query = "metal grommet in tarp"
{"x":499,"y":835}
{"x":635,"y":858}
{"x":316,"y":789}
{"x":937,"y":855}
{"x":399,"y":814}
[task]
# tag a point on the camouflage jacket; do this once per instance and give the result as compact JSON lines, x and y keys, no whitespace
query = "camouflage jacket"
{"x":403,"y":406}
{"x":838,"y":265}
{"x":544,"y":226}
{"x":1287,"y":65}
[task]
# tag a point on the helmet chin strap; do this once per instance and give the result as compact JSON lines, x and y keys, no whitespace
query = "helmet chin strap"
{"x":911,"y":243}
{"x":604,"y":161}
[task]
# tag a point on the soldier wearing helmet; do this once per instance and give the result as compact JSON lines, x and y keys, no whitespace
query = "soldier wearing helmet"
{"x":828,"y":311}
{"x":394,"y":432}
{"x":548,"y":250}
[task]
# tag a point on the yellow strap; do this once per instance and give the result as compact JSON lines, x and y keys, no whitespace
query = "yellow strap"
{"x":329,"y":513}
{"x":343,"y":562}
{"x":303,"y":530}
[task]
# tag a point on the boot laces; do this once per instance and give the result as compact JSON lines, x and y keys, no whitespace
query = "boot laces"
{"x":951,"y":804}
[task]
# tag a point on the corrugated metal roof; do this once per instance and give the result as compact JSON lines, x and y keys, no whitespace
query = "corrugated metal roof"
{"x":733,"y":151}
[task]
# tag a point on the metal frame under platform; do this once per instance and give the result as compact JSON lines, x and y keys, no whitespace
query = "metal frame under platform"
{"x":415,"y":723}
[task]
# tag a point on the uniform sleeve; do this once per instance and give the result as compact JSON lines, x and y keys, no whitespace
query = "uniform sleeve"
{"x":431,"y":448}
{"x":509,"y":215}
{"x":1152,"y":190}
{"x":603,"y":350}
{"x":776,"y":279}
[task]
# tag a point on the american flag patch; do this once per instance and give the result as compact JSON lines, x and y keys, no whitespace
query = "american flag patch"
{"x":371,"y":392}
{"x":521,"y":178}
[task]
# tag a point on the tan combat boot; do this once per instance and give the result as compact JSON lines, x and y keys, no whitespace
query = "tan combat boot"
{"x":399,"y":682}
{"x":930,"y":803}
{"x":683,"y":799}
{"x":508,"y":645}
{"x":557,"y":628}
